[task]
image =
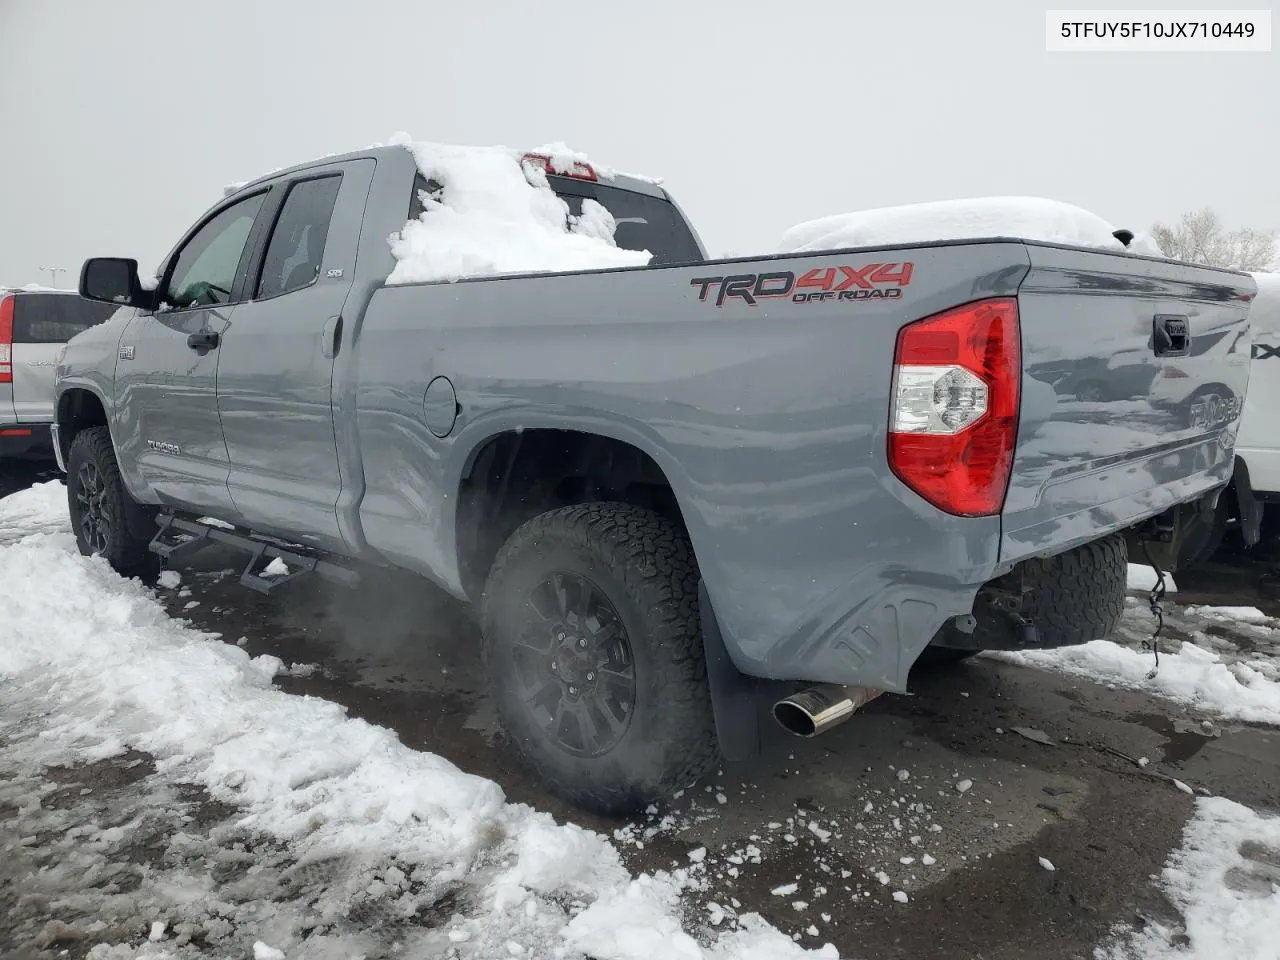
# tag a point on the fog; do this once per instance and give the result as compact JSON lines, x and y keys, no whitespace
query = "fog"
{"x":123,"y":120}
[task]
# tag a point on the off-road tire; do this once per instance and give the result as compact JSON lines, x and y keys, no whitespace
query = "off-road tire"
{"x":125,"y":550}
{"x":1078,"y":596}
{"x":644,"y":566}
{"x":1072,"y":598}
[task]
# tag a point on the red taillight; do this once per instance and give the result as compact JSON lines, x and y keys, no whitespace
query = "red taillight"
{"x":6,"y":339}
{"x":1175,"y":373}
{"x":576,"y":169}
{"x":954,"y":421}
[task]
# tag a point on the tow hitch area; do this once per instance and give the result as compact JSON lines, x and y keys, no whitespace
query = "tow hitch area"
{"x":180,"y":537}
{"x":1154,"y":599}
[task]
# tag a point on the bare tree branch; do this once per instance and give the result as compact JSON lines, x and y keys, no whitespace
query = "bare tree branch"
{"x":1199,"y":237}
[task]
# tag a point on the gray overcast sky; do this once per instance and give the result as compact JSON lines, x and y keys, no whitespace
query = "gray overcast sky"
{"x":122,"y":120}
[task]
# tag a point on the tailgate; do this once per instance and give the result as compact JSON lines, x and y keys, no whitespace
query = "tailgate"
{"x":1134,"y":374}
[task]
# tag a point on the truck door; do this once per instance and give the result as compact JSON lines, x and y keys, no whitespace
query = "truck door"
{"x":167,"y":364}
{"x":275,"y":376}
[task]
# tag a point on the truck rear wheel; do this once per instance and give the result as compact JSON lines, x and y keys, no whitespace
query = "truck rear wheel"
{"x":594,"y":654}
{"x":1072,"y":598}
{"x":101,"y":508}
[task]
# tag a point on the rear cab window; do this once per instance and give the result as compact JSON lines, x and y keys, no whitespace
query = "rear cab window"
{"x":55,"y":317}
{"x":643,"y":222}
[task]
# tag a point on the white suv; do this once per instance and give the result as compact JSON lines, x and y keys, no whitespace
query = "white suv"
{"x":1254,"y":493}
{"x":34,"y":324}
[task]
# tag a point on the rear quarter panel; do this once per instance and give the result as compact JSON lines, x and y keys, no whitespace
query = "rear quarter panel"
{"x":1110,"y":433}
{"x":769,"y":421}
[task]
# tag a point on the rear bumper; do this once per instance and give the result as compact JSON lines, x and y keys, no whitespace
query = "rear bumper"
{"x":860,"y":606}
{"x":30,"y":440}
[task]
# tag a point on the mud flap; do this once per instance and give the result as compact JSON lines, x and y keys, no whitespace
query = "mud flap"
{"x":735,"y":697}
{"x":1248,"y":505}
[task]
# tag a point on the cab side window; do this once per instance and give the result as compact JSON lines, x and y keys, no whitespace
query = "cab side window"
{"x":204,"y":273}
{"x":295,"y":253}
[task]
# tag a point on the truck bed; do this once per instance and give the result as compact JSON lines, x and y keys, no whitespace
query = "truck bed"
{"x":769,"y":418}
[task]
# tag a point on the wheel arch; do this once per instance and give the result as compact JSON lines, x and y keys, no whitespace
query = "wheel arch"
{"x":78,"y":407}
{"x":509,"y":471}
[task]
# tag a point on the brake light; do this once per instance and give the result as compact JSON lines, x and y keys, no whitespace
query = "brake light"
{"x":954,"y":421}
{"x":576,"y":169}
{"x":1175,"y":373}
{"x":6,"y":339}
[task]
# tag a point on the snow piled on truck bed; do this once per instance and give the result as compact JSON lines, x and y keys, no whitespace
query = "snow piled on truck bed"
{"x":494,"y":214}
{"x":1026,"y":218}
{"x":104,"y":668}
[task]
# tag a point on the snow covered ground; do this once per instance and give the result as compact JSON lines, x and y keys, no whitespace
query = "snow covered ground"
{"x":1225,"y":879}
{"x":1235,"y":676}
{"x":92,"y":666}
{"x":198,"y":810}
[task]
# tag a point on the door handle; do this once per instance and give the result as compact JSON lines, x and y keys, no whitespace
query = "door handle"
{"x":1170,"y":335}
{"x":204,"y":341}
{"x":331,"y":337}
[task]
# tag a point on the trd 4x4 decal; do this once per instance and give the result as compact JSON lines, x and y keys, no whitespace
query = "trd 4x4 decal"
{"x":872,"y":281}
{"x":1265,"y":351}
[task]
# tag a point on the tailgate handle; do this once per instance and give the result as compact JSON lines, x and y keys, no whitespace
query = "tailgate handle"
{"x":1171,"y":335}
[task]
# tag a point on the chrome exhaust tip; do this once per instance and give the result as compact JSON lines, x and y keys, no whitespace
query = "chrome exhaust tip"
{"x":817,"y":709}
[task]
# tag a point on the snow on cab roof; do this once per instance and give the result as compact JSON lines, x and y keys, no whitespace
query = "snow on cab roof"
{"x":1026,"y":218}
{"x":495,"y":213}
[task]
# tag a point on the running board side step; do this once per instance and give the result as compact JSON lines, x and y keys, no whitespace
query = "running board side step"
{"x":179,"y":537}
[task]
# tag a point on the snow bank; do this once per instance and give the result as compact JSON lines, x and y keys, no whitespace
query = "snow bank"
{"x":38,"y":509}
{"x":1191,"y":675}
{"x":495,"y":215}
{"x":1225,"y":880}
{"x":110,"y":669}
{"x":1029,"y":218}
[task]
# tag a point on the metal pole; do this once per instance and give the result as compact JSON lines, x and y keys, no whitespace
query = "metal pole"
{"x":53,"y":274}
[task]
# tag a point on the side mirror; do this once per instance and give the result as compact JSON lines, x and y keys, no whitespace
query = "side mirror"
{"x":113,"y":280}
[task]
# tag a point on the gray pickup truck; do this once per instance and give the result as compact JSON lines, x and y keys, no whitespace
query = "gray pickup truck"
{"x":679,"y":494}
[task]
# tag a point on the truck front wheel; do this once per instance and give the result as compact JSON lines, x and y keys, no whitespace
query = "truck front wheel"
{"x":594,"y":654}
{"x":101,"y":508}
